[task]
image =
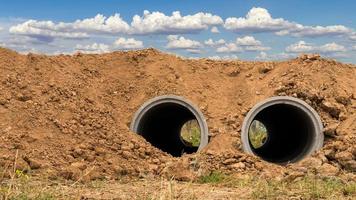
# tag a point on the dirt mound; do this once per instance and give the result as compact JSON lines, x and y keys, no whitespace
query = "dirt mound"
{"x":69,"y":116}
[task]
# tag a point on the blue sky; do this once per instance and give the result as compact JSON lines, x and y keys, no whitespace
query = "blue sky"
{"x":251,"y":30}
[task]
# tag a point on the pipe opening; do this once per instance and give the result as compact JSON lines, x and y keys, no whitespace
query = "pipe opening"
{"x":282,"y":130}
{"x":172,"y":125}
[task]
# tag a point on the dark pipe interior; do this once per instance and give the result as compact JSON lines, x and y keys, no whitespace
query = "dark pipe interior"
{"x":161,"y":126}
{"x":289,"y":133}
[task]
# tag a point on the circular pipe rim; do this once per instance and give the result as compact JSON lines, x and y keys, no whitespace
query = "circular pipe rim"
{"x":313,"y":115}
{"x":204,"y":131}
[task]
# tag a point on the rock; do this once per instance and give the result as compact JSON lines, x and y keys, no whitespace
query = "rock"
{"x":79,"y":165}
{"x":99,"y":151}
{"x":232,"y":72}
{"x":34,"y":164}
{"x":265,"y":68}
{"x":126,"y":154}
{"x":239,"y":165}
{"x":294,"y":175}
{"x":343,"y":100}
{"x":328,"y":170}
{"x":156,"y":161}
{"x":70,"y":173}
{"x":229,"y":161}
{"x":311,"y":162}
{"x":330,"y":130}
{"x":333,"y":109}
{"x":350,"y":165}
{"x":353,"y":151}
{"x":343,"y":156}
{"x":23,"y":97}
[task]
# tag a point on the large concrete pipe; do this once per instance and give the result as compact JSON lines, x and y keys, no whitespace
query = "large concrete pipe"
{"x":282,"y":130}
{"x":160,"y":120}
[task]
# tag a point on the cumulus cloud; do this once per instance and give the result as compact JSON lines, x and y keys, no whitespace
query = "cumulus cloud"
{"x":212,"y":43}
{"x":176,"y":42}
{"x":248,"y":41}
{"x":129,"y":43}
{"x":303,"y":47}
{"x":279,"y":56}
{"x":195,"y":51}
{"x":214,"y":29}
{"x":229,"y":48}
{"x":226,"y":57}
{"x":260,"y":20}
{"x":93,"y":48}
{"x":149,"y":23}
{"x":120,"y":43}
{"x":157,"y":22}
{"x":47,"y":30}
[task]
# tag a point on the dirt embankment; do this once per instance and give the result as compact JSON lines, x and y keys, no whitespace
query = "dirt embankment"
{"x":68,"y":116}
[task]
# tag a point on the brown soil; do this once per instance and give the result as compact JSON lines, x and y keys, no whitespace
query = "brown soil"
{"x":68,"y":116}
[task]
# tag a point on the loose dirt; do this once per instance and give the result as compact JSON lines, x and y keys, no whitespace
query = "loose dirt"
{"x":68,"y":116}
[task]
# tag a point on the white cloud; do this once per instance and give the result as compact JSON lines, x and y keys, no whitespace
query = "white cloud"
{"x":299,"y":47}
{"x":332,"y":47}
{"x":1,"y":28}
{"x":149,"y":23}
{"x":248,"y":41}
{"x":120,"y":43}
{"x":257,"y":48}
{"x":353,"y":36}
{"x":48,"y":30}
{"x":354,"y":48}
{"x":278,"y":56}
{"x":229,"y":48}
{"x":93,"y":48}
{"x":214,"y":29}
{"x":176,"y":42}
{"x":257,"y":20}
{"x":195,"y":51}
{"x":159,"y":23}
{"x":226,"y":57}
{"x":212,"y":43}
{"x":130,"y":43}
{"x":260,"y":20}
{"x":303,"y":47}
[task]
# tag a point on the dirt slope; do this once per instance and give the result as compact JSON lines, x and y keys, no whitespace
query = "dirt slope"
{"x":68,"y":116}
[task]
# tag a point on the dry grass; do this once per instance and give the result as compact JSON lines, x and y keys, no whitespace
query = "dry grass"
{"x":214,"y":186}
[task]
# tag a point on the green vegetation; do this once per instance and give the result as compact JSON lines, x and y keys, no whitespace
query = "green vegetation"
{"x":309,"y":187}
{"x":257,"y":134}
{"x":190,"y":133}
{"x":213,"y":177}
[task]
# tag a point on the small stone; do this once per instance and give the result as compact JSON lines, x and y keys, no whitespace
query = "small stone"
{"x":34,"y":164}
{"x":350,"y":165}
{"x":332,"y":108}
{"x":330,"y":130}
{"x":126,"y":154}
{"x":343,"y":156}
{"x":239,"y":165}
{"x":311,"y":162}
{"x":156,"y":161}
{"x":229,"y":161}
{"x":79,"y":165}
{"x":266,"y":68}
{"x":328,"y":170}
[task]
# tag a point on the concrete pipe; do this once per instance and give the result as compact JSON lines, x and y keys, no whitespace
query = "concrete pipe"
{"x":282,"y":130}
{"x":160,"y":120}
